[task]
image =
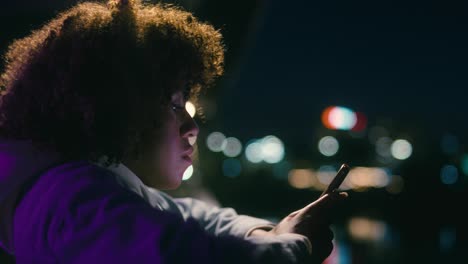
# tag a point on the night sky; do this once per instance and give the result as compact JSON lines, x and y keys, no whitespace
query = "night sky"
{"x":400,"y":61}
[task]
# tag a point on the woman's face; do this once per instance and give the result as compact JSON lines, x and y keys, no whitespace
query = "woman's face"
{"x":168,"y":154}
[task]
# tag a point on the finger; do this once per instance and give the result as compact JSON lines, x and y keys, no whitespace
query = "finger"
{"x":293,"y":214}
{"x":326,"y":202}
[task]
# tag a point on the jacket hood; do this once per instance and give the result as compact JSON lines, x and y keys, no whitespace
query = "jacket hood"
{"x":19,"y":162}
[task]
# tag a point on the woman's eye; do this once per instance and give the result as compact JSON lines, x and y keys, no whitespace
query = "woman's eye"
{"x":177,"y":107}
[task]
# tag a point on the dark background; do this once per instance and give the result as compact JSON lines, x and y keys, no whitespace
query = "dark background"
{"x":402,"y":63}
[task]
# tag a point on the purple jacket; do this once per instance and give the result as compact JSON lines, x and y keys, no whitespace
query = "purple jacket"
{"x":77,"y":212}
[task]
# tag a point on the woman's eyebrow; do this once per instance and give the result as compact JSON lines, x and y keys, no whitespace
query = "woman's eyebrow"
{"x":178,"y":96}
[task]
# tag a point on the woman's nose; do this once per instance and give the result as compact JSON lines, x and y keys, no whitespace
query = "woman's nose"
{"x":189,"y":127}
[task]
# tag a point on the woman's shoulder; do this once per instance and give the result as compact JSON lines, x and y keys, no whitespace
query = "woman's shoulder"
{"x":76,"y":171}
{"x":73,"y":180}
{"x":67,"y":186}
{"x":74,"y":204}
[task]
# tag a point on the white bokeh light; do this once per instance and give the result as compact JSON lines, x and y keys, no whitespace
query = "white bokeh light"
{"x":253,"y":152}
{"x":216,"y":141}
{"x":272,"y":149}
{"x":190,"y":107}
{"x":342,"y":118}
{"x":188,"y":173}
{"x":401,"y":149}
{"x":233,"y":147}
{"x":328,"y":146}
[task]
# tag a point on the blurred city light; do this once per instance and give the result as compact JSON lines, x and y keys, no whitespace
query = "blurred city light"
{"x":325,"y":118}
{"x":253,"y":152}
{"x":328,"y":146}
{"x":449,"y":144}
{"x":232,"y":167}
{"x":383,"y":146}
{"x":361,"y":122}
{"x":337,"y":117}
{"x":187,"y":173}
{"x":401,"y":149}
{"x":447,"y":238}
{"x":364,"y":177}
{"x":269,"y":149}
{"x":359,"y":179}
{"x":325,"y":174}
{"x":192,"y":140}
{"x":216,"y":142}
{"x":233,"y":147}
{"x":377,"y":132}
{"x":272,"y":149}
{"x":365,"y":229}
{"x":449,"y":174}
{"x":301,"y":178}
{"x":190,"y":108}
{"x":464,"y":164}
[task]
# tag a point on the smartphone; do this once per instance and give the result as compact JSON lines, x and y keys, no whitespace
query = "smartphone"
{"x":338,"y":180}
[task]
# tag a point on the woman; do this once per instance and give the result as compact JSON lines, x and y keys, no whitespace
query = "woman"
{"x":93,"y":123}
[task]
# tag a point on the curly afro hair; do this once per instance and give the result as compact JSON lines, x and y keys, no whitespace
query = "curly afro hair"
{"x":92,"y":81}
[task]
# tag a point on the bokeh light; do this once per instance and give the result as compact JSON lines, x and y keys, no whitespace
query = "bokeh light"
{"x":401,"y":149}
{"x":328,"y":146}
{"x":325,"y":120}
{"x":216,"y":141}
{"x":272,"y":149}
{"x":383,"y":147}
{"x":447,"y":238}
{"x":253,"y":152}
{"x":449,"y":174}
{"x":364,"y":177}
{"x":464,"y":164}
{"x":365,"y":229}
{"x":192,"y":140}
{"x":188,"y":173}
{"x":269,"y":149}
{"x":342,"y":118}
{"x":361,"y":122}
{"x":337,"y":117}
{"x":377,"y":132}
{"x":233,"y":147}
{"x":301,"y":178}
{"x":190,"y":107}
{"x":232,"y":167}
{"x":325,"y":174}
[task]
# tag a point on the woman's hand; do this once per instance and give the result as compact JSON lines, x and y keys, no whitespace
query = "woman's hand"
{"x":312,"y":221}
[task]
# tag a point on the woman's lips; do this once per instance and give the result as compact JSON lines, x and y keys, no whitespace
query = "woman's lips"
{"x":186,"y":155}
{"x":187,"y":158}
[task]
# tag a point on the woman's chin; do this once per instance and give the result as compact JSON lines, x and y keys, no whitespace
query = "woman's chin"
{"x":170,"y":184}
